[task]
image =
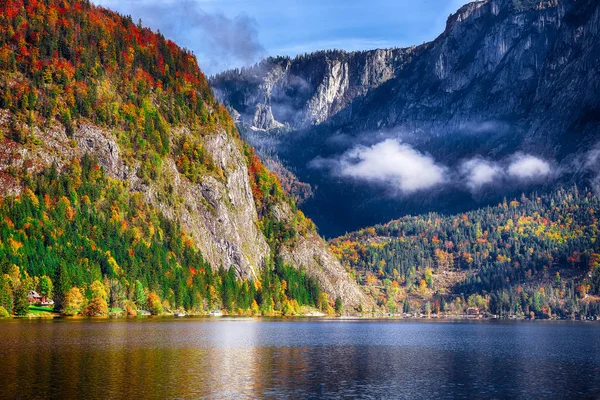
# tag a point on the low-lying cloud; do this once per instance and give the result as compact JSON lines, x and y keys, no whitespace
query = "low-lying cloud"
{"x":389,"y":162}
{"x":405,"y":169}
{"x":592,"y":158}
{"x":592,"y":164}
{"x":478,"y":172}
{"x":526,"y":166}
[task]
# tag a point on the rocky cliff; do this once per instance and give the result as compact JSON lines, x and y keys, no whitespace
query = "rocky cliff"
{"x":308,"y":90}
{"x":497,"y":59}
{"x":220,"y":215}
{"x":535,"y":67}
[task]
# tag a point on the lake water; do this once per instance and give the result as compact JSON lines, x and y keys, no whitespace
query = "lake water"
{"x":252,"y":358}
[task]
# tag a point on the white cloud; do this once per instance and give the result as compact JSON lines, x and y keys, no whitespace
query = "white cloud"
{"x":479,"y":172}
{"x":405,"y":169}
{"x":389,"y":162}
{"x":526,"y":166}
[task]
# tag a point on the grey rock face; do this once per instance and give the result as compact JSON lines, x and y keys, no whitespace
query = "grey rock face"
{"x":306,"y":91}
{"x":93,"y":140}
{"x":236,"y":215}
{"x":263,"y":118}
{"x":535,"y":66}
{"x":220,"y":215}
{"x":312,"y":253}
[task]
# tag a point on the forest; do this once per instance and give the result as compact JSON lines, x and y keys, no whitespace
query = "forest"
{"x":81,"y":239}
{"x":536,"y":256}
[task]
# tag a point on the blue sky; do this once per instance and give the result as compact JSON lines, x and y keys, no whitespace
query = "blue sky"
{"x":226,"y":34}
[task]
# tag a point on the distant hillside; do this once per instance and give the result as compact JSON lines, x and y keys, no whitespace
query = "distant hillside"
{"x":538,"y":254}
{"x":119,"y":166}
{"x":505,"y":77}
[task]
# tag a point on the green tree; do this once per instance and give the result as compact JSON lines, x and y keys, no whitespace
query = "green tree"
{"x":323,"y":302}
{"x":429,"y":277}
{"x":391,"y":306}
{"x":98,"y":291}
{"x":6,"y":293}
{"x":140,"y":296}
{"x":21,"y":306}
{"x":46,"y":287}
{"x":339,"y":307}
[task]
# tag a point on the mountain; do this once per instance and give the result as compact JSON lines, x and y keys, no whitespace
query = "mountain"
{"x":119,"y":166}
{"x":537,"y":255}
{"x":281,"y":93}
{"x":505,"y":79}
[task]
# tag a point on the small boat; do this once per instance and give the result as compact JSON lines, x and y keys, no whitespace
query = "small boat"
{"x":179,"y":314}
{"x":216,"y":313}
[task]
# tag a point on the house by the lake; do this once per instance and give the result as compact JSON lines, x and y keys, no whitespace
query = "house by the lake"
{"x":34,"y":297}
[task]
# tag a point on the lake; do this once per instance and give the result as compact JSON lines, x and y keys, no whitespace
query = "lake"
{"x":298,"y":358}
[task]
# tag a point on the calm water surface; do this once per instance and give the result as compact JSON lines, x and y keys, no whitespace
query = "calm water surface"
{"x":247,"y":358}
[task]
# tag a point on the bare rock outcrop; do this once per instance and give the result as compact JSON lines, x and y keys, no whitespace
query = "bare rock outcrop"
{"x":312,"y":253}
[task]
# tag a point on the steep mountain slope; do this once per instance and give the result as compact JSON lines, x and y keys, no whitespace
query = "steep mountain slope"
{"x":78,"y":79}
{"x":504,"y":77}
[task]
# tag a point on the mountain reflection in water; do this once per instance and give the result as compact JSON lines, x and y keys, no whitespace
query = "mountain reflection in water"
{"x":249,"y":358}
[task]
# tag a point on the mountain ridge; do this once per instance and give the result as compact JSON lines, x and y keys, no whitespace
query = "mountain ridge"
{"x":504,"y":78}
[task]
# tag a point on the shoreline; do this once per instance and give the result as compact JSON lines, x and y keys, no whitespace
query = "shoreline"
{"x":349,"y":317}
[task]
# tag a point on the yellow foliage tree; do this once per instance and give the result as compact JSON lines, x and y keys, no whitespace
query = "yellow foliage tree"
{"x":96,"y":308}
{"x":73,"y":302}
{"x":154,"y":304}
{"x":98,"y":290}
{"x":422,"y":285}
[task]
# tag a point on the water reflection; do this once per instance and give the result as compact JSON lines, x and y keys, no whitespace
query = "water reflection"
{"x":261,"y":359}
